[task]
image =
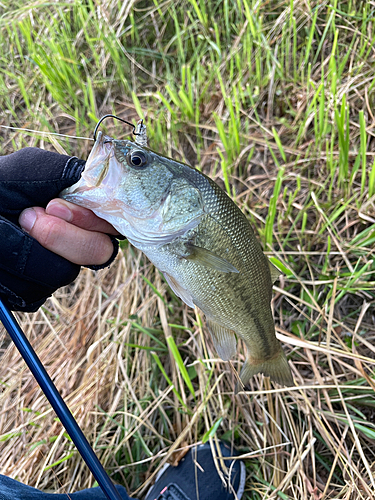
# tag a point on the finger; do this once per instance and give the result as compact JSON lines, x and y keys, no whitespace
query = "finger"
{"x":79,"y":216}
{"x":71,"y":242}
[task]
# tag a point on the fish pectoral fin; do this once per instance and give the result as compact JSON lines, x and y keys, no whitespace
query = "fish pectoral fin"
{"x":209,"y":259}
{"x":224,"y":340}
{"x":179,"y":290}
{"x":276,"y":368}
{"x":275,"y":273}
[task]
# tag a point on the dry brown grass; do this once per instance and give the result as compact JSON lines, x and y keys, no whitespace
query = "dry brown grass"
{"x":98,"y":338}
{"x":134,"y":420}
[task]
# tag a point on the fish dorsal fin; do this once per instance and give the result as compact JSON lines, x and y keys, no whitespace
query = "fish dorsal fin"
{"x":209,"y":259}
{"x":179,"y":291}
{"x":224,"y":340}
{"x":275,"y":273}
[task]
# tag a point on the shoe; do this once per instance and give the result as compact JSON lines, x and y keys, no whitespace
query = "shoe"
{"x":196,"y":477}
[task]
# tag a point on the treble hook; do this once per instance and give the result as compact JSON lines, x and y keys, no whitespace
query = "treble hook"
{"x":117,"y":118}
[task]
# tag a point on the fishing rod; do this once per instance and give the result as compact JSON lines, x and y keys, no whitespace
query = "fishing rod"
{"x":72,"y":428}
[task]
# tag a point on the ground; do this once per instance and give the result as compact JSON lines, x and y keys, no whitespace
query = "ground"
{"x":275,"y":101}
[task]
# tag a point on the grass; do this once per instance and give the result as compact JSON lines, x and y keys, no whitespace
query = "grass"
{"x":276,"y":102}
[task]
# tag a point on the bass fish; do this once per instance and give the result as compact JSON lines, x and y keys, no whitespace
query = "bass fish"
{"x":197,"y":237}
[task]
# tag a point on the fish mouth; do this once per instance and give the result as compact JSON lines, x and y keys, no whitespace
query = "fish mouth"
{"x":99,"y":182}
{"x":101,"y":164}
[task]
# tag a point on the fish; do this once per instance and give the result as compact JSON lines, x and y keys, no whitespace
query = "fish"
{"x":194,"y":233}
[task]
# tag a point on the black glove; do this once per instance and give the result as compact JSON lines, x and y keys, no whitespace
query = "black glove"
{"x":29,"y":273}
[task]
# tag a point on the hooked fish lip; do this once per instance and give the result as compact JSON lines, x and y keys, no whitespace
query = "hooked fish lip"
{"x":108,"y":176}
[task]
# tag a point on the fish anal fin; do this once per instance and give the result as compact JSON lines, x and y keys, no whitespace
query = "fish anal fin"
{"x":224,"y":340}
{"x":275,"y":273}
{"x":206,"y":258}
{"x":179,"y":290}
{"x":276,"y":368}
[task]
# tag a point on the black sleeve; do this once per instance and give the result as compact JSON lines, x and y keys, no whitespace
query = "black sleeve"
{"x":29,"y":273}
{"x":33,"y":177}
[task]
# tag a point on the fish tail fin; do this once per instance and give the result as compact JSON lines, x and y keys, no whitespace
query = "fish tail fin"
{"x":276,"y":368}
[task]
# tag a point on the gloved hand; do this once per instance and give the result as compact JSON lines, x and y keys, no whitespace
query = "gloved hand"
{"x":30,"y":240}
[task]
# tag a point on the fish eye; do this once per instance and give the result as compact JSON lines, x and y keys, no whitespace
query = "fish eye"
{"x":137,"y":159}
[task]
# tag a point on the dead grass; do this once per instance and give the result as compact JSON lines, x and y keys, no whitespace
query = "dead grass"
{"x":85,"y":337}
{"x":104,"y":339}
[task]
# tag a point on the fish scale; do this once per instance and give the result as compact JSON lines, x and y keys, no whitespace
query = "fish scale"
{"x":197,"y":237}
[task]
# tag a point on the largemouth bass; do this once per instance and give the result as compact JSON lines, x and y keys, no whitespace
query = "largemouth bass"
{"x":197,"y":237}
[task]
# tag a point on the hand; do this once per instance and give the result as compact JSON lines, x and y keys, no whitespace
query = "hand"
{"x":39,"y":258}
{"x":73,"y":232}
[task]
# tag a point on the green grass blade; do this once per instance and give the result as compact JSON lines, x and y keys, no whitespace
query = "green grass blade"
{"x":180,"y":364}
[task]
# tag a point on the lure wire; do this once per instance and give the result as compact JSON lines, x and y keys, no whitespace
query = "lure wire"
{"x":117,"y":118}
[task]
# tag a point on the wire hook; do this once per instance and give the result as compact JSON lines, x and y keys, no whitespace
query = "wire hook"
{"x":117,"y":118}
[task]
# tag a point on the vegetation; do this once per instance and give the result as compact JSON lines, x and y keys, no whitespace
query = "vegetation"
{"x":275,"y":101}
